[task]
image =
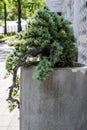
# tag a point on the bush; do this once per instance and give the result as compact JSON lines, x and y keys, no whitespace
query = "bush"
{"x":51,"y":32}
{"x":47,"y":43}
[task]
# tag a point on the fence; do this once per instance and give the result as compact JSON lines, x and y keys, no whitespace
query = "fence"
{"x":12,"y":26}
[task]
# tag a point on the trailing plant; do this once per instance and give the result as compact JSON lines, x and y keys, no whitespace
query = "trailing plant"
{"x":47,"y":43}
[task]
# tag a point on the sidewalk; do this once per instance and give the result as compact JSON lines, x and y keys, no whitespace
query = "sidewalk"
{"x":8,"y":120}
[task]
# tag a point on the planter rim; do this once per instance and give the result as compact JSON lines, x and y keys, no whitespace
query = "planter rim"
{"x":78,"y":66}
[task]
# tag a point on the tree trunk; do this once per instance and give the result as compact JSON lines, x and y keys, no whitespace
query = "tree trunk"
{"x":5,"y":19}
{"x":19,"y":16}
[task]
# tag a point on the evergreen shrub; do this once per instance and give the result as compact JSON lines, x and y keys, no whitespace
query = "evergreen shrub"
{"x":48,"y":42}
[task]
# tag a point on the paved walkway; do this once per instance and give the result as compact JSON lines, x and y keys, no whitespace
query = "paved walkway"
{"x":8,"y":120}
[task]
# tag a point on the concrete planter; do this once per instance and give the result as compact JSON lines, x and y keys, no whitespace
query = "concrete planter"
{"x":59,"y":103}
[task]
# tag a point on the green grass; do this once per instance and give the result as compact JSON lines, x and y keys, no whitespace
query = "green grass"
{"x":5,"y":36}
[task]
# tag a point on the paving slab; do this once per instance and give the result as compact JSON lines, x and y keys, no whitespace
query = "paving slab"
{"x":8,"y":120}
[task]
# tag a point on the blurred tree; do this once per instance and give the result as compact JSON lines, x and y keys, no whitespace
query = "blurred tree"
{"x":19,"y":15}
{"x":4,"y":5}
{"x":30,"y":6}
{"x":17,"y":9}
{"x":5,"y":17}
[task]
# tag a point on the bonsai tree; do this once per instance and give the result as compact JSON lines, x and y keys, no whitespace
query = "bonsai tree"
{"x":47,"y":43}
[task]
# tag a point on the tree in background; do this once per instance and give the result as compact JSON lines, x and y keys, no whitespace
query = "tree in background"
{"x":19,"y":15}
{"x":13,"y":9}
{"x":5,"y":17}
{"x":4,"y":4}
{"x":16,"y":4}
{"x":30,"y":6}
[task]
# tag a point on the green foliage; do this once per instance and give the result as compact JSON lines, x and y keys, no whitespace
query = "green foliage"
{"x":11,"y":62}
{"x":45,"y":28}
{"x":30,"y":6}
{"x":43,"y":69}
{"x":15,"y":94}
{"x":53,"y":35}
{"x":12,"y":16}
{"x":11,"y":106}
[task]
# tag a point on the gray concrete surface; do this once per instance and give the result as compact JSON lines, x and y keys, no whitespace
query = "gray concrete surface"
{"x":60,"y":103}
{"x":8,"y":121}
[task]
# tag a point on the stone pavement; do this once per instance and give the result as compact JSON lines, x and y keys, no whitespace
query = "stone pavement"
{"x":8,"y":120}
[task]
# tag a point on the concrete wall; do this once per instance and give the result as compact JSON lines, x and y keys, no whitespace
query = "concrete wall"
{"x":55,"y":5}
{"x":82,"y":44}
{"x":76,"y":12}
{"x":59,"y":103}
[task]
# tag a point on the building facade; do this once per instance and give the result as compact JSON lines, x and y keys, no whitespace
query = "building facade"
{"x":82,"y":40}
{"x":76,"y":12}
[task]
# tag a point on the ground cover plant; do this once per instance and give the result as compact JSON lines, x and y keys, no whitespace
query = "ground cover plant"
{"x":47,"y":43}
